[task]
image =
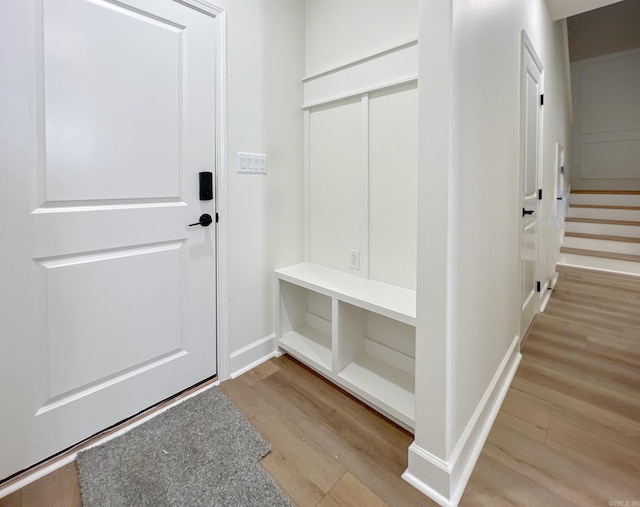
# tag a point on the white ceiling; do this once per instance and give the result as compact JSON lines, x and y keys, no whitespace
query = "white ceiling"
{"x":564,"y":8}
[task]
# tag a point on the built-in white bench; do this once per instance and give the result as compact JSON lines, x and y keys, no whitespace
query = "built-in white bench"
{"x":358,"y":333}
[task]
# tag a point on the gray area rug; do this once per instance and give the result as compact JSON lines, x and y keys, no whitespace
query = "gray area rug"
{"x":202,"y":452}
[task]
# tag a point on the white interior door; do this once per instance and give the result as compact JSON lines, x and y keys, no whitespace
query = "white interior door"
{"x":107,"y":296}
{"x":531,"y":91}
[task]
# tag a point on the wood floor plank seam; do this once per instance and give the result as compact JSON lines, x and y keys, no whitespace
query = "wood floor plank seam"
{"x":603,"y":396}
{"x":612,"y":355}
{"x":609,"y":309}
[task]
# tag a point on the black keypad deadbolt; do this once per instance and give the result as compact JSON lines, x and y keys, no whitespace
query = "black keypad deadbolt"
{"x":206,"y":186}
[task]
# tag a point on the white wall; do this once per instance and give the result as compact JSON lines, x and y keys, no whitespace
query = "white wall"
{"x":362,"y":139}
{"x":468,"y":111}
{"x":606,"y":137}
{"x":265,"y":64}
{"x":486,"y":129}
{"x":339,"y":32}
{"x":557,"y":128}
{"x":393,"y":174}
{"x":337,"y":195}
{"x":266,"y":43}
{"x":468,"y":266}
{"x":362,"y":173}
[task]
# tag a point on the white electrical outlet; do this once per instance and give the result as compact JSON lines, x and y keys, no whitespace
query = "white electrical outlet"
{"x":252,"y":163}
{"x":354,"y":259}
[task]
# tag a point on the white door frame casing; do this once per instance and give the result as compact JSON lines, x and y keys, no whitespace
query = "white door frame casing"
{"x":528,"y":49}
{"x":221,"y":196}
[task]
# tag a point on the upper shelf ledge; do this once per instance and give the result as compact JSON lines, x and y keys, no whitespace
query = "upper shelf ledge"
{"x":385,"y":69}
{"x":344,"y":66}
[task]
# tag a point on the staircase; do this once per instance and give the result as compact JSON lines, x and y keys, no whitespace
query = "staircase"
{"x":603,"y":231}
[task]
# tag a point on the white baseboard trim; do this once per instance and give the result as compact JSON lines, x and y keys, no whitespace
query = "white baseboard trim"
{"x":423,"y":488}
{"x":246,"y":358}
{"x":444,"y":481}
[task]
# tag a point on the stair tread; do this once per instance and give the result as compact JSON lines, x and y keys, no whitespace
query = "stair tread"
{"x":596,"y":253}
{"x":604,"y":206}
{"x":607,"y":192}
{"x":602,"y":221}
{"x":602,"y":236}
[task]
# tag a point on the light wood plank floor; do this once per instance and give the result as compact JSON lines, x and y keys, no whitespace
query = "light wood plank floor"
{"x":568,"y":432}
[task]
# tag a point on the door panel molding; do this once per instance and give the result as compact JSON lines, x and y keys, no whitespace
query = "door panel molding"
{"x":531,"y":116}
{"x":52,"y":240}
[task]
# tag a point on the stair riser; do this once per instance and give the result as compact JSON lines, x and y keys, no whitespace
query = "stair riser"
{"x":602,"y":245}
{"x":605,"y":199}
{"x":628,"y":231}
{"x":606,"y":214}
{"x":614,"y":265}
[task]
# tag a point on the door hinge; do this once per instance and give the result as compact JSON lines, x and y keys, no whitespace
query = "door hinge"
{"x":538,"y":286}
{"x":542,"y":99}
{"x":217,"y":218}
{"x":562,"y":169}
{"x":540,"y":194}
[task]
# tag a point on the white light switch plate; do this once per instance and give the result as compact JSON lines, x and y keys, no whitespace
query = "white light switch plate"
{"x":252,"y":163}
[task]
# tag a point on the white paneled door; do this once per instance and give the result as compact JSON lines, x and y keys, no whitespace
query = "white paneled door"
{"x":531,"y":91}
{"x":107,"y":295}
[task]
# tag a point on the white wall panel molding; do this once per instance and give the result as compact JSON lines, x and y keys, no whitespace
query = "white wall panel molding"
{"x":611,"y":136}
{"x":364,"y":253}
{"x":612,"y":159}
{"x":395,"y":66}
{"x":393,"y":49}
{"x":393,"y":173}
{"x":307,"y":183}
{"x":606,"y":138}
{"x":379,"y":136}
{"x":335,"y":205}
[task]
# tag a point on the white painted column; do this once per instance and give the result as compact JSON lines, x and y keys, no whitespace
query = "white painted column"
{"x":428,"y":469}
